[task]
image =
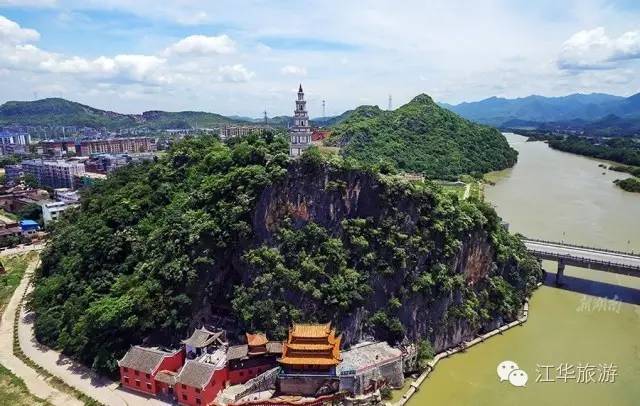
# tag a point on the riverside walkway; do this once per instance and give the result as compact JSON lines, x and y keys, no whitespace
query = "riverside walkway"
{"x":598,"y":259}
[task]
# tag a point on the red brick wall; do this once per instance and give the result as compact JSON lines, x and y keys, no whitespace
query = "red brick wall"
{"x":238,"y":376}
{"x":138,"y":381}
{"x":172,"y":363}
{"x":188,"y":396}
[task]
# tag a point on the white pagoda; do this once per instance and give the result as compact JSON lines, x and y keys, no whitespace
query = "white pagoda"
{"x":300,"y":132}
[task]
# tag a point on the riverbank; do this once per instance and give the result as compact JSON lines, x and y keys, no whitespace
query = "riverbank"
{"x":414,"y":387}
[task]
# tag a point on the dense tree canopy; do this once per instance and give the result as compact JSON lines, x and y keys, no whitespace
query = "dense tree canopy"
{"x":422,"y":137}
{"x":159,"y":242}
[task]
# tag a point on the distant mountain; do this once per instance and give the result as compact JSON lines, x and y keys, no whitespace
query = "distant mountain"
{"x":592,"y":114}
{"x":422,"y":137}
{"x":61,"y":112}
{"x":497,"y":111}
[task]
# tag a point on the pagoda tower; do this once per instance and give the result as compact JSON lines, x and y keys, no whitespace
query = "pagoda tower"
{"x":300,"y":132}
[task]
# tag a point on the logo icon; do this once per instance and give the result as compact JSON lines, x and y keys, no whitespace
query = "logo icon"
{"x":509,"y":371}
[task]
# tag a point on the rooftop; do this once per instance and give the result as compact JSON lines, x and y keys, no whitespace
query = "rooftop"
{"x":143,"y":359}
{"x":367,"y":354}
{"x":311,"y":330}
{"x":202,"y":337}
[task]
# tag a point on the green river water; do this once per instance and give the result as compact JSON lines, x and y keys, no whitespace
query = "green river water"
{"x":558,"y":196}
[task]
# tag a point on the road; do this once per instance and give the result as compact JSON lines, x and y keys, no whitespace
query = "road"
{"x":593,"y":254}
{"x":35,"y":382}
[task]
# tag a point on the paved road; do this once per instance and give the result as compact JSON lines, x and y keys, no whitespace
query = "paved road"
{"x":74,"y":374}
{"x":627,"y":260}
{"x":35,"y":383}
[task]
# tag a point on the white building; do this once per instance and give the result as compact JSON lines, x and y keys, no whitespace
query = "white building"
{"x":300,"y":133}
{"x":51,"y":211}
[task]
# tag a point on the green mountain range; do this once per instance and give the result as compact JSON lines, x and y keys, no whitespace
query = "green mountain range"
{"x":61,"y":112}
{"x":422,"y":137}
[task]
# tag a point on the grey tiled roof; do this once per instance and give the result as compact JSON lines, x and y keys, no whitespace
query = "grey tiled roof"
{"x":202,"y":337}
{"x":367,"y":354}
{"x":143,"y":359}
{"x":237,"y":351}
{"x":196,"y":374}
{"x":166,"y":377}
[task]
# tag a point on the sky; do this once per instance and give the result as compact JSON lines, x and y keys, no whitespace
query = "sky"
{"x":240,"y":57}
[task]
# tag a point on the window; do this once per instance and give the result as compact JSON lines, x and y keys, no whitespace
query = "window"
{"x":126,"y":379}
{"x":148,"y":386}
{"x":136,"y":373}
{"x":197,"y":390}
{"x":184,"y":396}
{"x":184,"y":386}
{"x":137,"y":382}
{"x":198,"y":401}
{"x":148,"y":376}
{"x":126,"y":369}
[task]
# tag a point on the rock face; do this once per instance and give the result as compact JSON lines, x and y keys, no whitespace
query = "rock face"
{"x":328,"y":197}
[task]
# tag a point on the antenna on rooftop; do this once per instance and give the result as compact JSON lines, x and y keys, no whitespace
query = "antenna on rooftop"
{"x":324,"y":112}
{"x":390,"y":103}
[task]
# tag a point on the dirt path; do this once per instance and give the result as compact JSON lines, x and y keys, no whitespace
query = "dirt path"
{"x":36,"y":383}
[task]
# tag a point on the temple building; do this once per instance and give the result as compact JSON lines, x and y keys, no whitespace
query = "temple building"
{"x":200,"y":381}
{"x":309,"y":360}
{"x":140,"y":366}
{"x":246,"y":361}
{"x":300,"y":132}
{"x":203,"y":341}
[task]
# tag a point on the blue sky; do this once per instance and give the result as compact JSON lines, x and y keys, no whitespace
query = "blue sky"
{"x":242,"y":56}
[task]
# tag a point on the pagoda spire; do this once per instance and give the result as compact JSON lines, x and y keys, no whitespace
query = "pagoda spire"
{"x":300,"y":89}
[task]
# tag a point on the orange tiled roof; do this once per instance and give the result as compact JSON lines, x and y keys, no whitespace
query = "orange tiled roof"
{"x":309,"y":347}
{"x":310,"y":330}
{"x":309,"y":361}
{"x":255,"y":340}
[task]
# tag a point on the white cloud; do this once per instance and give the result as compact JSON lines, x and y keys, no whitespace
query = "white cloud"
{"x":28,"y":3}
{"x":11,"y":32}
{"x":202,"y":45}
{"x":293,"y":70}
{"x":594,"y":49}
{"x":235,"y":73}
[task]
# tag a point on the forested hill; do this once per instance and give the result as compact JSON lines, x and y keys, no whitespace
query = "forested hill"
{"x":61,"y":112}
{"x":422,"y":137}
{"x":238,"y":236}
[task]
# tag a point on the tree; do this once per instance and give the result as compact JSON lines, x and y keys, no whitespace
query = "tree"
{"x":30,"y":180}
{"x":31,"y":211}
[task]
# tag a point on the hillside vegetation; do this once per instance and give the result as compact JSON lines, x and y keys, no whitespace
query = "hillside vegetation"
{"x":422,"y":137}
{"x":61,"y":112}
{"x":239,"y":236}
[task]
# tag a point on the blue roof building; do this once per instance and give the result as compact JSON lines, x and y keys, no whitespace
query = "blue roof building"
{"x":29,"y":226}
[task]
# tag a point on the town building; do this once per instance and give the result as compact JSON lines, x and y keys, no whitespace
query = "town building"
{"x":9,"y":229}
{"x":309,"y":360}
{"x":12,"y":173}
{"x":57,"y":148}
{"x":227,"y":132}
{"x":300,"y":132}
{"x":29,"y":227}
{"x":53,"y":174}
{"x":246,"y":361}
{"x":140,"y":365}
{"x":369,"y":366}
{"x":117,"y":146}
{"x":52,"y":211}
{"x":66,"y":195}
{"x":200,"y":380}
{"x":15,"y":138}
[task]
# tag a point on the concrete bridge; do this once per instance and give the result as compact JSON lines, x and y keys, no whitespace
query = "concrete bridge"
{"x":598,"y":259}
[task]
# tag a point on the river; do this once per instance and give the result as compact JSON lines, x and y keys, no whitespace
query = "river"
{"x":558,"y":196}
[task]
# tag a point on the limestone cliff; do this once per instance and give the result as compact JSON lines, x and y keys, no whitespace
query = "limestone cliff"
{"x":463,"y":253}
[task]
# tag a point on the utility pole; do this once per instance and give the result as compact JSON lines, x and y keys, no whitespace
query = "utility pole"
{"x":390,"y":104}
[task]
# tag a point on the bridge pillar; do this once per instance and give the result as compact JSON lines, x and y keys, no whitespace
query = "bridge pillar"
{"x":560,"y":273}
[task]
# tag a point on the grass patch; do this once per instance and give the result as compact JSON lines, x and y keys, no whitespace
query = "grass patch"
{"x":4,"y":213}
{"x":13,"y":391}
{"x":14,"y":266}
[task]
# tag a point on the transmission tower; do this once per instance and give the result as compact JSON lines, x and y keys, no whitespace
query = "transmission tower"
{"x":266,"y":119}
{"x":324,"y":112}
{"x":390,"y":103}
